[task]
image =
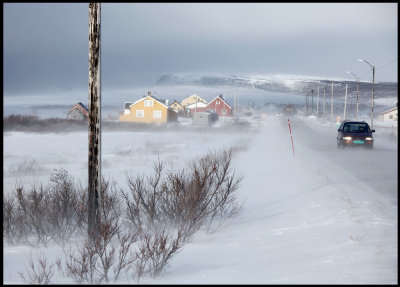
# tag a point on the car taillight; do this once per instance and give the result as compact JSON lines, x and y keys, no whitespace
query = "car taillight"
{"x":368,"y":139}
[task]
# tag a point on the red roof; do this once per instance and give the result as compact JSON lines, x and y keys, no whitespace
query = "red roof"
{"x":81,"y":108}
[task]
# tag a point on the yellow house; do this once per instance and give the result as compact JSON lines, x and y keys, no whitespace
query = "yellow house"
{"x":177,"y":107}
{"x":148,"y":110}
{"x":192,"y":100}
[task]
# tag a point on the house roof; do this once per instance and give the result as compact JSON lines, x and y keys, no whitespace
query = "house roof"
{"x":148,"y":96}
{"x":199,"y":105}
{"x":193,"y":98}
{"x":176,"y":102}
{"x":221,"y":99}
{"x":389,"y":110}
{"x":80,"y":107}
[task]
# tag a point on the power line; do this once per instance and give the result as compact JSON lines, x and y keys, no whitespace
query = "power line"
{"x":363,"y":77}
{"x":383,"y":66}
{"x":387,"y":64}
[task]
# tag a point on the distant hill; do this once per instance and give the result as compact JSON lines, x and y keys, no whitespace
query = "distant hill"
{"x":280,"y":84}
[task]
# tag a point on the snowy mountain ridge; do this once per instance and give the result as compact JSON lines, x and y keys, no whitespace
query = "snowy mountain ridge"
{"x":274,"y":82}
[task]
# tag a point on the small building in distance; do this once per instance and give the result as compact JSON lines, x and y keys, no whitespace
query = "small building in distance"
{"x":204,"y":118}
{"x":148,"y":110}
{"x":78,"y":112}
{"x":219,"y":106}
{"x":177,"y":107}
{"x":389,"y":115}
{"x":192,"y":100}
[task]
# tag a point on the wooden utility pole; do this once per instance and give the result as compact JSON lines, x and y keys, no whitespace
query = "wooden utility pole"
{"x":332,"y":103}
{"x":318,"y":101}
{"x":324,"y":101}
{"x":94,"y":163}
{"x":373,"y":95}
{"x":312,"y":101}
{"x":307,"y":103}
{"x":358,"y":94}
{"x":236,"y":105}
{"x":345,"y":101}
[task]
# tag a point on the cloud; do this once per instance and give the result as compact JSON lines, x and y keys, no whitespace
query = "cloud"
{"x":46,"y":45}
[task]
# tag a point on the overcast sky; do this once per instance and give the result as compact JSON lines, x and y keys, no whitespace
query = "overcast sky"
{"x":46,"y":45}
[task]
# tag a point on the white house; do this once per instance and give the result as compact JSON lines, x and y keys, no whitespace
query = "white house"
{"x":389,"y":115}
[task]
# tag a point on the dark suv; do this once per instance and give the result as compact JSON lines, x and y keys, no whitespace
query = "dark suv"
{"x":355,"y":133}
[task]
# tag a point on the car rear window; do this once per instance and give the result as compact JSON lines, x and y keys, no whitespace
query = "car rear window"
{"x":356,"y":127}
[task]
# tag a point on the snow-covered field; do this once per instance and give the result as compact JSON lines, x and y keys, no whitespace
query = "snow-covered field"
{"x":304,"y":220}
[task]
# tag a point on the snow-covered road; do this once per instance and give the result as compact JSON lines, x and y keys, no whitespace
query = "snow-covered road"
{"x":305,"y":220}
{"x":377,"y":169}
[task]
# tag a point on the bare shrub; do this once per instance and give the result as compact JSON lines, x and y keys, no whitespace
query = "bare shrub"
{"x":82,"y":208}
{"x":11,"y":230}
{"x":81,"y":267}
{"x":140,"y":229}
{"x":183,"y":201}
{"x":144,"y":200}
{"x":109,"y":228}
{"x":39,"y":273}
{"x":110,"y":250}
{"x":155,"y":250}
{"x":63,"y":211}
{"x":33,"y":205}
{"x":200,"y":194}
{"x":126,"y":254}
{"x":92,"y":261}
{"x":54,"y":212}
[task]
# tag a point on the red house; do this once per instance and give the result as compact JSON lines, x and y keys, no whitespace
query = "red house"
{"x":220,"y":106}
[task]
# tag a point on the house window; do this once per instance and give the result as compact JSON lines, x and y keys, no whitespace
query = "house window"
{"x":139,"y":113}
{"x":156,"y":114}
{"x":217,"y":102}
{"x":148,"y":103}
{"x":223,"y":111}
{"x":391,"y":117}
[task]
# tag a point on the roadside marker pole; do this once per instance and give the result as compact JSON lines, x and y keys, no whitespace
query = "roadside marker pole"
{"x":290,"y":130}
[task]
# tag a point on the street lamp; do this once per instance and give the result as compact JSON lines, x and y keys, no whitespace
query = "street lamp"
{"x":358,"y":88}
{"x":373,"y":80}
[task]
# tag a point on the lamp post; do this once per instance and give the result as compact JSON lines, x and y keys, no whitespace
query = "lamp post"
{"x":373,"y":81}
{"x":358,"y":89}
